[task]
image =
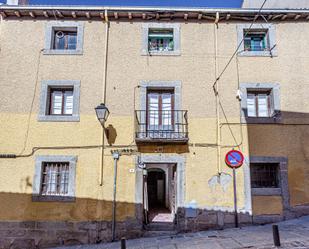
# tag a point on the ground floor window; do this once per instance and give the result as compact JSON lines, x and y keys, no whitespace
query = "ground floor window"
{"x":264,"y":175}
{"x":55,"y":178}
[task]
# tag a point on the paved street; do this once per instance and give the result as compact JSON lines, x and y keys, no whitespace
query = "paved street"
{"x":294,"y":234}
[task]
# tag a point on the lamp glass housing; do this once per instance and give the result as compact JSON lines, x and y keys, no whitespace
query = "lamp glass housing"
{"x":102,"y":113}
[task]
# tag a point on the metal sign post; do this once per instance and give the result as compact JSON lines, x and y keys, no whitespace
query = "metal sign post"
{"x":234,"y":159}
{"x":235,"y":197}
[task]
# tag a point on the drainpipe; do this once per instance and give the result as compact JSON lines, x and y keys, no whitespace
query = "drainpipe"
{"x":217,"y":95}
{"x":104,"y":90}
{"x":116,"y":156}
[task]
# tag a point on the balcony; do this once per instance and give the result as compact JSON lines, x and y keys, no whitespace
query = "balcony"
{"x":155,"y":126}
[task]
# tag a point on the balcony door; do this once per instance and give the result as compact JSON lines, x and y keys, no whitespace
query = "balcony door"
{"x":160,"y":112}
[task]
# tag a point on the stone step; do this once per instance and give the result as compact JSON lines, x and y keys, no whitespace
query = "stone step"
{"x":160,"y":226}
{"x":159,"y":233}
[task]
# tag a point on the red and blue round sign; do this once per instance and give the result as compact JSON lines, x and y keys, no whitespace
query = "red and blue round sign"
{"x":234,"y":158}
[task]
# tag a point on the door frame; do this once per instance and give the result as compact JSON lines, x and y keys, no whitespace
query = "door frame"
{"x":177,"y":160}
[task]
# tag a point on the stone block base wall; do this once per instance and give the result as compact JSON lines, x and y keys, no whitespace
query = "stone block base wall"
{"x":45,"y":234}
{"x":206,"y":219}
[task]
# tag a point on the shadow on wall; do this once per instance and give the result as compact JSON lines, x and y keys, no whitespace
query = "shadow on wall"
{"x":88,"y":221}
{"x":25,"y":224}
{"x":286,"y":136}
{"x":111,"y":134}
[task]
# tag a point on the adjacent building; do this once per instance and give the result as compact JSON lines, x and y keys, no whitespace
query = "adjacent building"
{"x":183,"y":86}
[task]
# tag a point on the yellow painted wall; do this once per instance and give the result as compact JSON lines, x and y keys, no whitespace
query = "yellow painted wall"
{"x":21,"y":64}
{"x":263,"y":205}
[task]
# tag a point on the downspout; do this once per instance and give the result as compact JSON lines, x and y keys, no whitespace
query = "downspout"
{"x":1,"y":20}
{"x":217,"y":95}
{"x":104,"y":92}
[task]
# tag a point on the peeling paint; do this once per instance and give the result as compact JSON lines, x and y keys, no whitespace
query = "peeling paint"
{"x":222,"y":179}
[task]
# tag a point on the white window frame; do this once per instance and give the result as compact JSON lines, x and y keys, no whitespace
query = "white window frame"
{"x":275,"y":92}
{"x":44,"y":101}
{"x":37,"y":179}
{"x":67,"y":25}
{"x":176,"y":38}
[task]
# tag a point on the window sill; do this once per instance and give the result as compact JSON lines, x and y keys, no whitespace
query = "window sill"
{"x":62,"y":52}
{"x":161,"y":53}
{"x":54,"y":118}
{"x":258,"y":54}
{"x":265,"y":191}
{"x":260,"y":120}
{"x":41,"y":198}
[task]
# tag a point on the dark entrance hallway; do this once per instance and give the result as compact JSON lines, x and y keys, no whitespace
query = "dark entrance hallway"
{"x":156,"y":188}
{"x":159,"y":193}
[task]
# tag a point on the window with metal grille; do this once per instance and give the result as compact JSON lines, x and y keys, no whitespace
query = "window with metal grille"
{"x":65,"y":39}
{"x":160,"y":40}
{"x":55,"y":178}
{"x":61,"y":101}
{"x":256,"y":40}
{"x":260,"y":103}
{"x":264,"y":175}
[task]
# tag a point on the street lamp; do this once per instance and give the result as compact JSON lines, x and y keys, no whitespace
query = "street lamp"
{"x":102,"y":113}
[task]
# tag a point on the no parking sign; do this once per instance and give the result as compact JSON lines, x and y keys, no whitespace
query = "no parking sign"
{"x":234,"y":159}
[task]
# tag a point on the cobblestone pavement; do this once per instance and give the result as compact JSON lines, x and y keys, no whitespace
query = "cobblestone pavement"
{"x":293,"y":234}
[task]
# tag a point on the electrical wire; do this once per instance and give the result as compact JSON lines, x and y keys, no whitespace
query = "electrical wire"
{"x":238,"y":47}
{"x":32,"y":103}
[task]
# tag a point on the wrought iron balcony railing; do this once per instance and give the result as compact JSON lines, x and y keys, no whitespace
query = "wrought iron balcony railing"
{"x":161,"y":126}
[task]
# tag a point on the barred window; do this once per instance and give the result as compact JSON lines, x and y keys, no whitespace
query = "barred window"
{"x":264,"y":175}
{"x":55,"y":178}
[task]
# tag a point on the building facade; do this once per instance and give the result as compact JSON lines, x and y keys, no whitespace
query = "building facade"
{"x":178,"y":103}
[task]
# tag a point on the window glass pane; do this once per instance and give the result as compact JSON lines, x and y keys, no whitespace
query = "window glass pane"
{"x":251,"y":105}
{"x":166,"y":111}
{"x":255,"y":40}
{"x":263,"y":105}
{"x":65,"y":39}
{"x":55,"y":178}
{"x":56,"y":101}
{"x":68,"y":102}
{"x":59,"y":43}
{"x":161,"y":40}
{"x":153,"y":111}
{"x":72,"y":40}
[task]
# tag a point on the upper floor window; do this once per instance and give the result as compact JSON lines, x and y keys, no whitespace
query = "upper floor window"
{"x":160,"y":110}
{"x":61,"y":101}
{"x":256,"y":40}
{"x":161,"y":40}
{"x":259,"y":103}
{"x":65,"y":39}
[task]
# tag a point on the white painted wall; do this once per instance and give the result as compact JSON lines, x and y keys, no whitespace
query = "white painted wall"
{"x":276,"y":4}
{"x":12,"y":2}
